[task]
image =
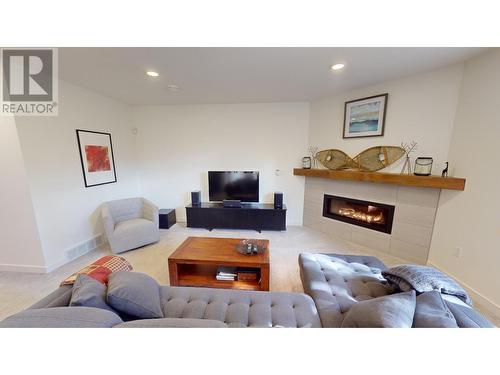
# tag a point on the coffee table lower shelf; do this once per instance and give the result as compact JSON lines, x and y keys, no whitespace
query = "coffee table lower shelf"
{"x":196,"y":275}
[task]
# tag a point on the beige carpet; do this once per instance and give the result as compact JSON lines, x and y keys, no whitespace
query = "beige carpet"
{"x":20,"y":290}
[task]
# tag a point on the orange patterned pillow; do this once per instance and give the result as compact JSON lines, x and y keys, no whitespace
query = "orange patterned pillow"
{"x":101,"y":269}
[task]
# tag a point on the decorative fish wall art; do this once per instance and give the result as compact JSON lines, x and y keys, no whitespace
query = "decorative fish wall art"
{"x":370,"y":160}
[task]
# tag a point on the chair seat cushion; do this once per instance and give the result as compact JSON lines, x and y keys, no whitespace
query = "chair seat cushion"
{"x":63,"y":317}
{"x":132,"y":234}
{"x":137,"y":224}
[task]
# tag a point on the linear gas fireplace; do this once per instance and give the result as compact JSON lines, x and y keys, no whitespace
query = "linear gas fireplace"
{"x":372,"y":215}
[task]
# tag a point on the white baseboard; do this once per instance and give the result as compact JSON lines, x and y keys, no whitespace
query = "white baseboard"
{"x":78,"y":250}
{"x":68,"y":255}
{"x":479,"y":300}
{"x":22,"y":268}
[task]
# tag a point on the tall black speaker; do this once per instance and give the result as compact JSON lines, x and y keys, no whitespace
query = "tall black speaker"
{"x":278,"y":200}
{"x":196,"y":198}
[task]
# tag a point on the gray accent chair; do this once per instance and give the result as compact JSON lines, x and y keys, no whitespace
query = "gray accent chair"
{"x":130,"y":223}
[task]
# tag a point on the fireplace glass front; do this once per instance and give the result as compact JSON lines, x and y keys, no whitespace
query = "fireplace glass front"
{"x":372,"y":215}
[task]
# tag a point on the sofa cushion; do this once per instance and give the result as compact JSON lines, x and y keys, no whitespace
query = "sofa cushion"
{"x":336,"y":282}
{"x":466,"y":316}
{"x":62,"y":317}
{"x":173,"y":323}
{"x":393,"y":311}
{"x":432,"y":312}
{"x":239,"y":308}
{"x":135,"y":294}
{"x":89,"y":292}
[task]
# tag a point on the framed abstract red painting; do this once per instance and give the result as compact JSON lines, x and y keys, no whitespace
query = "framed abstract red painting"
{"x":96,"y":155}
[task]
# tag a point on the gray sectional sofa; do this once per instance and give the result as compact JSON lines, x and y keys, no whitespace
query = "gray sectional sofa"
{"x":333,"y":284}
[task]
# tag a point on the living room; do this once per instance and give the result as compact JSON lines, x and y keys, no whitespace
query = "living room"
{"x":282,"y":186}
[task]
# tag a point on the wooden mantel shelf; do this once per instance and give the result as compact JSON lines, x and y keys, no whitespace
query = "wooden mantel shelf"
{"x":436,"y":182}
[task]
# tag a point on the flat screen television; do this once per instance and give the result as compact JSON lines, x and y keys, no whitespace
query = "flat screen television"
{"x":240,"y":185}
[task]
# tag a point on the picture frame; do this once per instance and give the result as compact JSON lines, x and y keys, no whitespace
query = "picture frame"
{"x":97,"y":158}
{"x":365,"y":117}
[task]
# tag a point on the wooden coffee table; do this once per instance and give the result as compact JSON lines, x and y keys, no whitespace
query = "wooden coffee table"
{"x":196,"y":260}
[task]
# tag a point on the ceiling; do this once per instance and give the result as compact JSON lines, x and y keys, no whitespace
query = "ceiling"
{"x":243,"y":75}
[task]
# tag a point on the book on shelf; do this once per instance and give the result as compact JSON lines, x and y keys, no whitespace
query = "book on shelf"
{"x":225,"y":278}
{"x":237,"y":273}
{"x":226,"y":273}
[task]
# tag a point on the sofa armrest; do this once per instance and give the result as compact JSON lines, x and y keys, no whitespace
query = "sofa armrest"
{"x":58,"y":298}
{"x":150,"y":212}
{"x":62,"y":317}
{"x":108,"y":221}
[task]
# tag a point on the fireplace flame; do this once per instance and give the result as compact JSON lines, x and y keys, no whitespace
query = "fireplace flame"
{"x":358,"y":215}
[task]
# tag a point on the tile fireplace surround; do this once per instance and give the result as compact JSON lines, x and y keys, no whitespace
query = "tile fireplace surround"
{"x":414,"y":214}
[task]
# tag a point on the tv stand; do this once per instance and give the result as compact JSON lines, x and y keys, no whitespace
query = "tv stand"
{"x":253,"y":216}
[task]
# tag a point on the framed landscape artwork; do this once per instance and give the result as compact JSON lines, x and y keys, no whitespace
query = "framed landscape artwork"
{"x":365,"y":117}
{"x":96,"y":155}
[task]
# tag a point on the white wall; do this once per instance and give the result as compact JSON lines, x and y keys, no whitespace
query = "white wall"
{"x":20,"y":247}
{"x":66,"y":211}
{"x":420,"y":108}
{"x":177,"y":145}
{"x":470,"y":220}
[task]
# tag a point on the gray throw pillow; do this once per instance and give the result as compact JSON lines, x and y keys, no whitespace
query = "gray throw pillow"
{"x":89,"y":292}
{"x":62,"y":317}
{"x":467,"y":317}
{"x":432,"y":312}
{"x":392,"y":311}
{"x":135,"y":294}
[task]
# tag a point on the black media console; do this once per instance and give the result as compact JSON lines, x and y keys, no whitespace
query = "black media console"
{"x":256,"y":216}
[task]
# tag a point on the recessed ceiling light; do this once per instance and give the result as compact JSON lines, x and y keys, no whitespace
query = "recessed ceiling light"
{"x":337,"y":66}
{"x":173,"y":88}
{"x":152,"y":74}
